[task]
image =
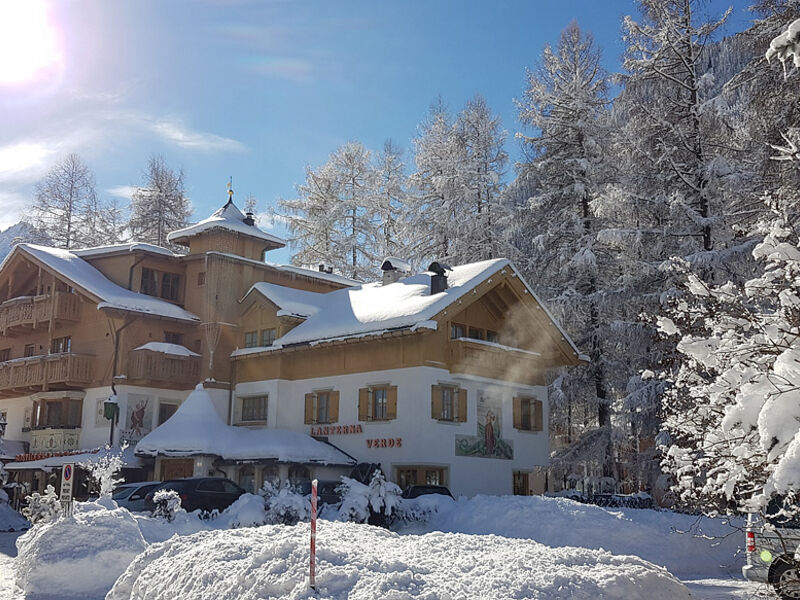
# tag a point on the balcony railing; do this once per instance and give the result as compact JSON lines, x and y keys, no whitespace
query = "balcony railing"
{"x":169,"y":370}
{"x":55,"y":439}
{"x":19,"y":314}
{"x":41,"y":373}
{"x":496,"y":362}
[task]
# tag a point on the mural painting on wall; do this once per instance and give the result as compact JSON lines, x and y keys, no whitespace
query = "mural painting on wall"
{"x":139,"y":420}
{"x":489,"y":442}
{"x":99,"y":414}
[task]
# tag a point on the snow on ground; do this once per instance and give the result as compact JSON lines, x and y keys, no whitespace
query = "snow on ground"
{"x":652,"y":535}
{"x":363,"y":562}
{"x":11,"y":520}
{"x":8,"y":550}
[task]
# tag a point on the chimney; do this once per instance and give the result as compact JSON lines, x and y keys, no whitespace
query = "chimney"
{"x":394,"y":269}
{"x":248,"y":219}
{"x":329,"y":270}
{"x":438,"y":279}
{"x":321,"y":267}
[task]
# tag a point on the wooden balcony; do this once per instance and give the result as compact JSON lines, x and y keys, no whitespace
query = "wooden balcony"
{"x":23,"y":376}
{"x":484,"y":359}
{"x":19,"y":315}
{"x":165,"y":370}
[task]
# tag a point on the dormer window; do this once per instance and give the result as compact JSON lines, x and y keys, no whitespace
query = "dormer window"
{"x":149,"y":283}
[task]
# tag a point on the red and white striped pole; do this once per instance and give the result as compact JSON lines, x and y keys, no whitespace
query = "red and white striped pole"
{"x":313,"y":564}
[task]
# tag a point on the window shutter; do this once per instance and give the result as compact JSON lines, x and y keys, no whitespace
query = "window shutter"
{"x":462,"y":405}
{"x":436,"y":402}
{"x":536,"y":416}
{"x":518,"y":413}
{"x":309,"y":409}
{"x":363,"y":403}
{"x":391,"y":401}
{"x":333,"y":407}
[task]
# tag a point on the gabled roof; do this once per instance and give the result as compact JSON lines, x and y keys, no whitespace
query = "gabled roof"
{"x":197,"y":429}
{"x":129,"y":247}
{"x":230,"y":218}
{"x":85,"y":277}
{"x":374,"y":308}
{"x":291,"y":302}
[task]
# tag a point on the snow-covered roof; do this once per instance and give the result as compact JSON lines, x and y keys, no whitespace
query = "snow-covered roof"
{"x":170,"y":349}
{"x":228,"y":217}
{"x":290,"y":302}
{"x":334,"y":277}
{"x":129,"y":247}
{"x":375,"y":307}
{"x":197,"y":429}
{"x":129,"y":459}
{"x":9,"y":449}
{"x":85,"y":276}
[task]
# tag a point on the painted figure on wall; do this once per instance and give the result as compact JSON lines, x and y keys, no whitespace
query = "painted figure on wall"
{"x":488,"y":441}
{"x":137,"y":416}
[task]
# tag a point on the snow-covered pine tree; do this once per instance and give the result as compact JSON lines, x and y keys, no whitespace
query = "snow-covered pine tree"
{"x":65,"y":205}
{"x":390,"y":198}
{"x":160,"y":205}
{"x":565,"y":105}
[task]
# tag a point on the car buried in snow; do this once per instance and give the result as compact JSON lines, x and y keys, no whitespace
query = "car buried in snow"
{"x":199,"y":493}
{"x":772,"y":541}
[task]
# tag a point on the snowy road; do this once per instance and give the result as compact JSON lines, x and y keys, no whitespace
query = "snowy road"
{"x":8,"y":590}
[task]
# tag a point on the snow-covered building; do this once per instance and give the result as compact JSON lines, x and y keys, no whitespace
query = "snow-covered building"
{"x":439,"y":376}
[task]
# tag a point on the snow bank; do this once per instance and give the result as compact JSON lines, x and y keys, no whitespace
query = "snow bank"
{"x":79,"y":556}
{"x":11,"y":520}
{"x":359,"y":562}
{"x":652,"y":535}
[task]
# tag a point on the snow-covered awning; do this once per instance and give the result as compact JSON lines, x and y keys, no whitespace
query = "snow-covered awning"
{"x":230,"y":218}
{"x":196,"y":429}
{"x":48,"y":463}
{"x":169,"y":349}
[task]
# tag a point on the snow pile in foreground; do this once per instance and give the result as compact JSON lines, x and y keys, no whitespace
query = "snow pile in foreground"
{"x":11,"y":520}
{"x":360,"y":562}
{"x":79,"y":556}
{"x":652,"y":535}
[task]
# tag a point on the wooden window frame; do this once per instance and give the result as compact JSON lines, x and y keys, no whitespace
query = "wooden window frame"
{"x":366,"y":403}
{"x":312,"y":407}
{"x":453,"y":326}
{"x":421,"y":474}
{"x":528,"y":414}
{"x":259,"y":414}
{"x":476,"y":333}
{"x":251,"y":339}
{"x":170,"y":286}
{"x":173,"y":337}
{"x":492,"y":334}
{"x":61,"y":345}
{"x":201,"y":278}
{"x":268,"y":340}
{"x":70,"y":413}
{"x":458,"y":403}
{"x":5,"y":354}
{"x":29,"y":350}
{"x":147,"y":282}
{"x":175,"y":405}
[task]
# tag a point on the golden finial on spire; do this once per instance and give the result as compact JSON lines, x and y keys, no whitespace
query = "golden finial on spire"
{"x":230,"y":189}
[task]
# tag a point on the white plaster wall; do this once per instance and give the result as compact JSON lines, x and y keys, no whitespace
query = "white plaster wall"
{"x":425,"y":441}
{"x":15,"y":409}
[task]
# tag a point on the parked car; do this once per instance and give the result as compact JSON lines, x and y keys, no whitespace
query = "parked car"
{"x":203,"y":493}
{"x":327,"y":491}
{"x":415,"y":491}
{"x":131,"y":495}
{"x":771,"y":544}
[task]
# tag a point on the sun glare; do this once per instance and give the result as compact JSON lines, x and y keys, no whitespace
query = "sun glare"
{"x":29,"y":45}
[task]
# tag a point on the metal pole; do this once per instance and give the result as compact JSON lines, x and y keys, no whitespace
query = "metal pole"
{"x":312,"y":565}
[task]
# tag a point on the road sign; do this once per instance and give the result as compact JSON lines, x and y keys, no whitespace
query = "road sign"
{"x":67,"y":477}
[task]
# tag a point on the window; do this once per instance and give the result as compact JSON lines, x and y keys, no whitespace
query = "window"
{"x":420,"y":475}
{"x":149,"y":284}
{"x":528,"y":414}
{"x":251,"y":339}
{"x":201,"y":278}
{"x":448,"y":403}
{"x":298,"y":474}
{"x":267,"y":337}
{"x":173,"y":337}
{"x":377,"y":403}
{"x":59,"y":345}
{"x":322,"y":407}
{"x":60,"y":412}
{"x":254,"y":408}
{"x":211,"y":485}
{"x":165,"y":411}
{"x":5,"y":354}
{"x":247,"y":479}
{"x":491,"y":336}
{"x":475,"y":333}
{"x":456,"y":331}
{"x":30,"y":350}
{"x":170,"y":286}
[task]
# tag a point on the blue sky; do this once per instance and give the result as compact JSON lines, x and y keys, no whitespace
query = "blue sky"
{"x":258,"y":90}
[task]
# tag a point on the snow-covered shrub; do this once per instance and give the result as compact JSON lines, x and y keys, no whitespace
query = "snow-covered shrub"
{"x":42,"y":508}
{"x":168,"y":503}
{"x":249,"y":510}
{"x":104,"y":469}
{"x":80,"y":556}
{"x":373,"y":503}
{"x":285,"y":505}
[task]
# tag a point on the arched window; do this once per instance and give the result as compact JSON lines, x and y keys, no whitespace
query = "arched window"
{"x":298,"y":473}
{"x":247,"y":478}
{"x":271,"y":474}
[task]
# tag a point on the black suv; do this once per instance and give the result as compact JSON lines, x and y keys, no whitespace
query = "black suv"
{"x":204,"y":493}
{"x":415,"y":491}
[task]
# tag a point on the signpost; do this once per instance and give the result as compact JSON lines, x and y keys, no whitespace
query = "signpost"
{"x":67,"y":477}
{"x":312,"y":566}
